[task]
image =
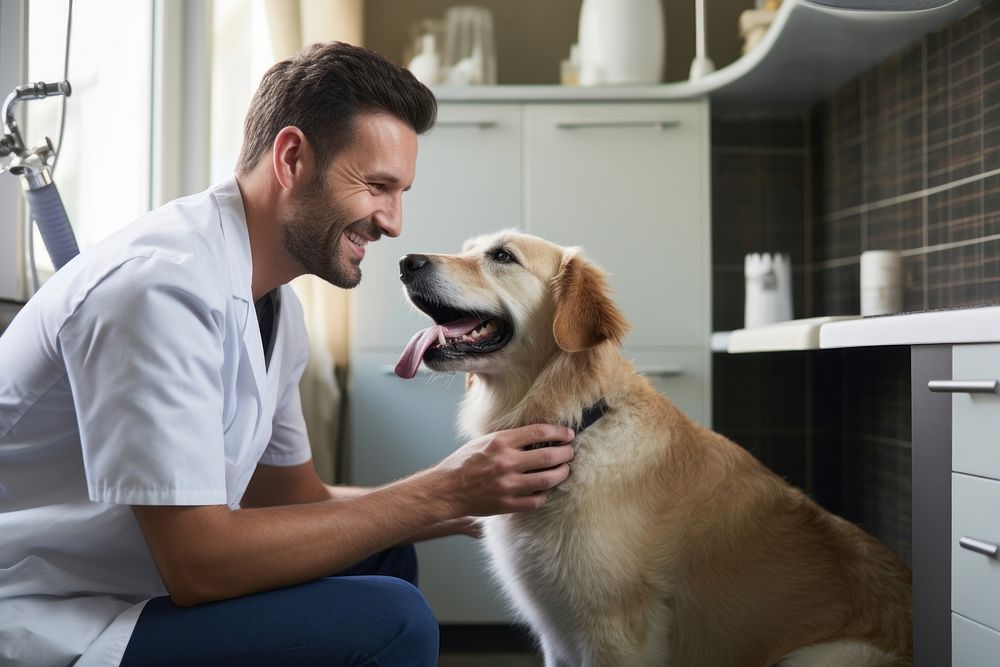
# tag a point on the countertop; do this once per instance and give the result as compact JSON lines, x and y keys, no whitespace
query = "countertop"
{"x":960,"y":325}
{"x":978,"y":324}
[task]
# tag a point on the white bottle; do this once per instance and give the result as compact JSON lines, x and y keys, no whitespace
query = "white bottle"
{"x":426,"y":65}
{"x":621,"y":41}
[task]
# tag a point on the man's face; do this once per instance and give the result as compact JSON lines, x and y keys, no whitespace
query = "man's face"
{"x":356,"y":201}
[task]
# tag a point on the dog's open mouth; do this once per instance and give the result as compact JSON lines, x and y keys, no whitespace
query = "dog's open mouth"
{"x":456,"y":333}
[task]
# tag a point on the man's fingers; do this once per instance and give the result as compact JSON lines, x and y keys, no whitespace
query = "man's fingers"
{"x":538,"y":433}
{"x":545,"y":457}
{"x":542,"y":480}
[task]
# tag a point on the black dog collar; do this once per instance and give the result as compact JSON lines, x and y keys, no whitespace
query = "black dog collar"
{"x":590,"y":415}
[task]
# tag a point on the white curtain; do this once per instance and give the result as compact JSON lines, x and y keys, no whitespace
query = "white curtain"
{"x":293,"y":25}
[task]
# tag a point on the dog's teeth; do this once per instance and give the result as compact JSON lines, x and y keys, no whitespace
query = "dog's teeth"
{"x":441,"y":339}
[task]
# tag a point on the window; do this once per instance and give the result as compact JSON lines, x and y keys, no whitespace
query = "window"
{"x":103,"y":170}
{"x":241,"y":53}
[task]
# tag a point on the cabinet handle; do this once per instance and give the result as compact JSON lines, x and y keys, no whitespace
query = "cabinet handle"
{"x":980,"y":547}
{"x":588,"y":124}
{"x":964,"y":386}
{"x":478,"y":124}
{"x":660,"y":371}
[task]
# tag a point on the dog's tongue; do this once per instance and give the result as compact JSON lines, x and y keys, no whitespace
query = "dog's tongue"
{"x":410,"y":360}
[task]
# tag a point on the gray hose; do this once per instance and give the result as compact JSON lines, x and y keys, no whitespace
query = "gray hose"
{"x":46,"y":209}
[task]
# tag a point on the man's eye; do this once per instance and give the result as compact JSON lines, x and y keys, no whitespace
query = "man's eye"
{"x":377,"y":187}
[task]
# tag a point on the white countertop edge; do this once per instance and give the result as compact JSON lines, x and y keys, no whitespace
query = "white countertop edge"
{"x":942,"y":327}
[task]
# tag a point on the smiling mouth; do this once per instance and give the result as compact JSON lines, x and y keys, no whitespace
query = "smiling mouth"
{"x":462,"y":332}
{"x":359,"y":241}
{"x":456,"y":334}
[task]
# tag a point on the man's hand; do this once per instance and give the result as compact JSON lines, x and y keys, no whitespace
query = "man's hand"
{"x":466,"y":525}
{"x":494,"y":474}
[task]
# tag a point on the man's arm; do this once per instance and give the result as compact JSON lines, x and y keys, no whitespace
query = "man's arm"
{"x":292,"y":485}
{"x":207,"y":553}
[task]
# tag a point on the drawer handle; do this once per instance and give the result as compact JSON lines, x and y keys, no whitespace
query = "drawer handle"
{"x":478,"y":124}
{"x":980,"y":547}
{"x":660,"y":371}
{"x":964,"y":386}
{"x":590,"y":124}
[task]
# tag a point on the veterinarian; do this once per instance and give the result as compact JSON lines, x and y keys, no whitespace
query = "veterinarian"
{"x":157,"y":498}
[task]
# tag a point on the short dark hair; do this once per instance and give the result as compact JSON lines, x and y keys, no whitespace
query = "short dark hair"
{"x":321,"y":91}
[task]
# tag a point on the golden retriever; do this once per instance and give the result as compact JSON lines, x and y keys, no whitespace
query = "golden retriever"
{"x":668,"y":544}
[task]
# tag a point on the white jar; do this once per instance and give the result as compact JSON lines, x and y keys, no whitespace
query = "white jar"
{"x":621,"y":41}
{"x":881,"y":282}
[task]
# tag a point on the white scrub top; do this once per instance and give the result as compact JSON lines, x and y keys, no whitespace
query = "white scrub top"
{"x":135,"y":376}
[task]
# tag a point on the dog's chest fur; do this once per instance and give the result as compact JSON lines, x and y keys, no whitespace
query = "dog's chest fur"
{"x":555,"y":561}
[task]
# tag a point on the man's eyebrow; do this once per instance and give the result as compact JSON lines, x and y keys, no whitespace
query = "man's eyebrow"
{"x":385,"y":177}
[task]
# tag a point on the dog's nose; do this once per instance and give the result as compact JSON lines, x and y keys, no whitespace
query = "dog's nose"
{"x":410,"y":264}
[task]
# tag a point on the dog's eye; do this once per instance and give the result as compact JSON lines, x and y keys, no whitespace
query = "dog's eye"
{"x":501,"y":255}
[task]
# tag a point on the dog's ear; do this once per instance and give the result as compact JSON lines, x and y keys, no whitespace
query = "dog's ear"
{"x":585,"y":314}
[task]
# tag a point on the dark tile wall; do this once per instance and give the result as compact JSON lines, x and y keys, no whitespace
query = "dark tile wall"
{"x":760,"y":203}
{"x":909,"y":158}
{"x":905,"y":157}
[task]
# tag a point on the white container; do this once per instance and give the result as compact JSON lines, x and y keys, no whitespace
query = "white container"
{"x":768,"y":289}
{"x":881,"y":282}
{"x":621,"y":41}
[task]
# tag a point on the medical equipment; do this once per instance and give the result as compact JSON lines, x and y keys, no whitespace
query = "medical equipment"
{"x":34,"y":166}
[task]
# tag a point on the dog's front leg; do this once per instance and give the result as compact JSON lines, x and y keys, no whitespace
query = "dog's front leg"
{"x":552,"y":657}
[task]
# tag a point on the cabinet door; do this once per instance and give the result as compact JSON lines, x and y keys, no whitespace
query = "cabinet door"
{"x":398,"y":427}
{"x":973,"y":645}
{"x":975,"y":576}
{"x":976,"y":417}
{"x":680,"y":375}
{"x":629,"y":183}
{"x":468,"y":182}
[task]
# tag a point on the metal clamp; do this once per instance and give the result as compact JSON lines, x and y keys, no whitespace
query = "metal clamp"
{"x":964,"y":386}
{"x":980,"y":547}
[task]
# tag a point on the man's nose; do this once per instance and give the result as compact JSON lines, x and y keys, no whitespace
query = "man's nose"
{"x":390,"y":221}
{"x":411,"y":265}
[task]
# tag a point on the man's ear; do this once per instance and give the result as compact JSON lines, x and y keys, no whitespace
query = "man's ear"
{"x":291,"y":157}
{"x":585,"y":314}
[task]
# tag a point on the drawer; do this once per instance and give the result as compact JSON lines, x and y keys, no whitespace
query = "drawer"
{"x":975,"y":577}
{"x":976,"y":416}
{"x":972,"y":644}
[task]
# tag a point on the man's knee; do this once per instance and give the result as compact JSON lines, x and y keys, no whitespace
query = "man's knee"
{"x":418,"y":629}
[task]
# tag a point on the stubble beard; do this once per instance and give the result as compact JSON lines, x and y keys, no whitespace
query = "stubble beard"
{"x":312,"y":236}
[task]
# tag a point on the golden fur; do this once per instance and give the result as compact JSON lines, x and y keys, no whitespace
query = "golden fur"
{"x":668,"y":544}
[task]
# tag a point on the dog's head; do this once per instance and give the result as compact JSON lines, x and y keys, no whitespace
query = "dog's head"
{"x":506,"y":299}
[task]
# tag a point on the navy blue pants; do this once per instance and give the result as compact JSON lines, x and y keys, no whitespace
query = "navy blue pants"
{"x":370,"y":614}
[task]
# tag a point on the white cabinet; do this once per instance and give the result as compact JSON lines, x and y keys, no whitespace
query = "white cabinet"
{"x":628,"y":181}
{"x":973,"y":645}
{"x":975,"y":502}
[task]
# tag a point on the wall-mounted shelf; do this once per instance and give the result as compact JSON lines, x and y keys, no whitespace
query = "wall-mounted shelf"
{"x":810,"y":50}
